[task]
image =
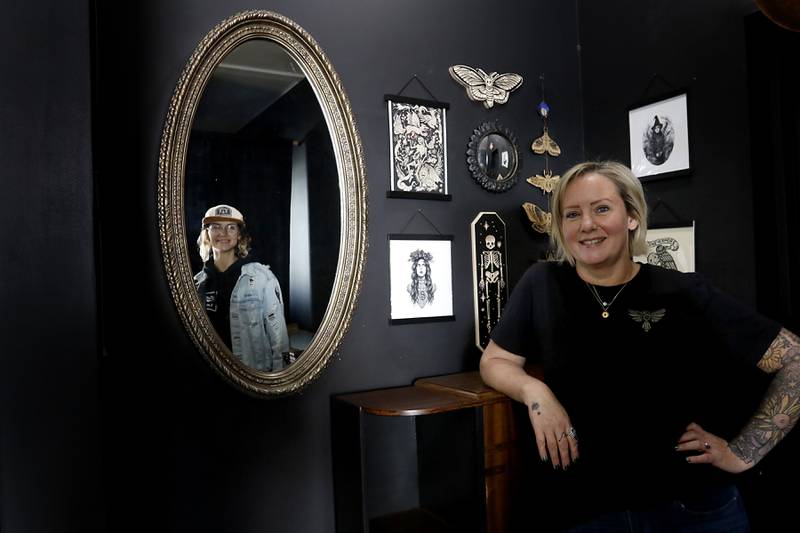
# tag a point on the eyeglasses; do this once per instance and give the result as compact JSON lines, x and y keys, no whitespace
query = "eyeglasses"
{"x":219,"y":228}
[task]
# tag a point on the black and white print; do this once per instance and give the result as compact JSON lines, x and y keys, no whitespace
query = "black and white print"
{"x":489,"y":273}
{"x":417,"y":134}
{"x":671,"y":248}
{"x":659,"y":138}
{"x":420,"y":276}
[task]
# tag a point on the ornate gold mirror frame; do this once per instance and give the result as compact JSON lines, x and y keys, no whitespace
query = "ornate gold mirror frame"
{"x":352,"y":186}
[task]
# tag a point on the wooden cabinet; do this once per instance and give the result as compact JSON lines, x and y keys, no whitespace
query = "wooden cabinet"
{"x":464,"y":459}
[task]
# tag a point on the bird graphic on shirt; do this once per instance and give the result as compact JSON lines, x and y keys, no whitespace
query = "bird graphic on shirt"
{"x":647,"y":317}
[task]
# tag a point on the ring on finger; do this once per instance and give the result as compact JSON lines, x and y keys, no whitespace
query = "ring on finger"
{"x":571,"y":433}
{"x":707,"y":446}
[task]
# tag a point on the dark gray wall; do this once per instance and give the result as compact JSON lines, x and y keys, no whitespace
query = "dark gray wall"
{"x":182,"y":443}
{"x":703,"y":46}
{"x":49,"y":430}
{"x":694,"y":45}
{"x":179,"y":444}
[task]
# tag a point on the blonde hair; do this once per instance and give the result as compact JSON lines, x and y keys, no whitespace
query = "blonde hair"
{"x":629,"y":188}
{"x":204,"y":243}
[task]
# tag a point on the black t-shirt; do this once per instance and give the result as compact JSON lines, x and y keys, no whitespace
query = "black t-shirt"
{"x":215,"y":292}
{"x":673,"y":350}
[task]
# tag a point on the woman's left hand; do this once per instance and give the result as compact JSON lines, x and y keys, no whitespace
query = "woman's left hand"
{"x":713,"y":450}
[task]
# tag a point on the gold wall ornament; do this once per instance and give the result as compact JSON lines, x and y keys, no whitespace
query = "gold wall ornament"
{"x":176,"y":241}
{"x":540,"y":219}
{"x":490,"y":89}
{"x":545,"y":143}
{"x":545,"y":181}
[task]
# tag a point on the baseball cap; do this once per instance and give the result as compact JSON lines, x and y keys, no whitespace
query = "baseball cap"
{"x":223,"y":213}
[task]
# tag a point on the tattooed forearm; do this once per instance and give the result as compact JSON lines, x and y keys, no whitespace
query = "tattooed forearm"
{"x":778,"y":351}
{"x":780,"y":408}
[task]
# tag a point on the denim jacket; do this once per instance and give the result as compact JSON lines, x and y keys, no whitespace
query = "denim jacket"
{"x":258,"y":328}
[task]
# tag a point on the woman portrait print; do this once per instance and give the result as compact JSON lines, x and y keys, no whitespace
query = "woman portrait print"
{"x":421,"y":288}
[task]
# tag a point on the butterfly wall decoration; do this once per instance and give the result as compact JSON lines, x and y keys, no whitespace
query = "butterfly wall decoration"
{"x":540,"y":219}
{"x":546,"y":182}
{"x":490,"y":89}
{"x":545,"y":143}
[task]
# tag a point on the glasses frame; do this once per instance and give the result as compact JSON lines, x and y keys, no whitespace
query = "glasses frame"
{"x":223,"y":227}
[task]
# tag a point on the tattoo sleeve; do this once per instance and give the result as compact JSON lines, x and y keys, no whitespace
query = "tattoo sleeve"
{"x":780,"y":408}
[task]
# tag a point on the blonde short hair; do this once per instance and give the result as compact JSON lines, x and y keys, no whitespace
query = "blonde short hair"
{"x":629,"y":188}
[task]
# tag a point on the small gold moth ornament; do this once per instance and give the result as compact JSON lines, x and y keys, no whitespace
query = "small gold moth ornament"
{"x":545,"y":143}
{"x":540,"y":219}
{"x":490,"y":89}
{"x":545,"y":181}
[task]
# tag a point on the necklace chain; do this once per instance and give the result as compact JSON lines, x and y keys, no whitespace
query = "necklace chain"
{"x":604,"y":305}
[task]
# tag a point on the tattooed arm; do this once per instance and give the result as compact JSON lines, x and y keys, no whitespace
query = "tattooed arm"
{"x":504,"y":371}
{"x":780,"y":407}
{"x":777,"y":414}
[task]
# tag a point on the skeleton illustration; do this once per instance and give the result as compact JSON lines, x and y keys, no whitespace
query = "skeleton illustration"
{"x":661,"y":256}
{"x":491,"y":282}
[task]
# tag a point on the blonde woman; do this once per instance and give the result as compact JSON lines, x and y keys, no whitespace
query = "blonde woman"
{"x":639,"y":365}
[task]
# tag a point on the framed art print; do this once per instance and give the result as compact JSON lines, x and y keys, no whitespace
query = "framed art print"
{"x":417,"y":148}
{"x":659,"y":138}
{"x":420,"y":278}
{"x":670,"y":247}
{"x":489,"y":273}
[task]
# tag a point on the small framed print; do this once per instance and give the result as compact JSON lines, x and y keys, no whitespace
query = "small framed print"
{"x":670,"y":247}
{"x":659,"y":137}
{"x":420,"y":278}
{"x":417,"y":148}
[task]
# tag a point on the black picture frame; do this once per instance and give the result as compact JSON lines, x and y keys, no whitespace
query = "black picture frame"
{"x":417,"y":148}
{"x":659,"y":136}
{"x":416,"y":296}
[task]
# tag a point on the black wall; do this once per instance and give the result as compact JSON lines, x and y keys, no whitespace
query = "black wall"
{"x":180,"y":441}
{"x":49,"y":423}
{"x":743,"y":128}
{"x":694,"y":45}
{"x":181,"y":450}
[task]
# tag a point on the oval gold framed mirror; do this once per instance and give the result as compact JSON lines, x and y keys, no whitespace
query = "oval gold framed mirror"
{"x":263,"y":266}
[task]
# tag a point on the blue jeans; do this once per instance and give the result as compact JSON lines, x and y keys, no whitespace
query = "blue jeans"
{"x":719,"y":511}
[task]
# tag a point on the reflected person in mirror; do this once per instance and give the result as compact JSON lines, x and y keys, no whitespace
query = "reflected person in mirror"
{"x":242,"y":298}
{"x":659,"y":373}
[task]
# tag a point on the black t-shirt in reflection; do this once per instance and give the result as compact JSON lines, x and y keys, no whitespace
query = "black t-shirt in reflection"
{"x":215,"y":293}
{"x":673,"y":350}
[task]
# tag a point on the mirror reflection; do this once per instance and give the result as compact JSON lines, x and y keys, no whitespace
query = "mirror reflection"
{"x":493,"y":156}
{"x":496,"y":156}
{"x":262,"y":191}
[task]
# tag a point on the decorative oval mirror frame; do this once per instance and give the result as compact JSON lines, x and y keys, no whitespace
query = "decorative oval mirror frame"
{"x":473,"y":150}
{"x":304,"y":50}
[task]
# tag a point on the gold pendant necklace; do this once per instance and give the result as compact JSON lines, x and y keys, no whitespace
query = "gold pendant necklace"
{"x":605,"y":305}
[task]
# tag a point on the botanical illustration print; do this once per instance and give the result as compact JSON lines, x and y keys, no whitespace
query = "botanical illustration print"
{"x":418,"y":148}
{"x":658,"y":140}
{"x":421,"y":289}
{"x":660,"y":255}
